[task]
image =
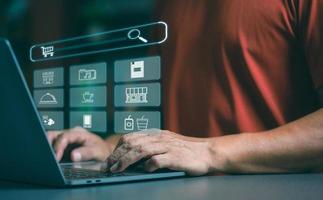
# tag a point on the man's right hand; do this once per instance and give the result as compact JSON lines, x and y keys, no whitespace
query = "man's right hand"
{"x":92,"y":147}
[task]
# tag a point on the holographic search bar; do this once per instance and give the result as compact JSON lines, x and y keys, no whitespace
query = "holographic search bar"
{"x":126,"y":38}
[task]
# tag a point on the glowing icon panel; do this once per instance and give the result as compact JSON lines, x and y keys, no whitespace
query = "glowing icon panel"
{"x":90,"y":73}
{"x":87,"y":74}
{"x":51,"y":98}
{"x":126,"y":122}
{"x":88,"y":97}
{"x":137,"y":69}
{"x":46,"y":78}
{"x":53,"y":120}
{"x":143,"y":95}
{"x":136,"y":95}
{"x":95,"y":121}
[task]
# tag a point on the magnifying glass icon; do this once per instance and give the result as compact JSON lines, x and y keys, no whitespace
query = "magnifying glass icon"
{"x":135,"y":34}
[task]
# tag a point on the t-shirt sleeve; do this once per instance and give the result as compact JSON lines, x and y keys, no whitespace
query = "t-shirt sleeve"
{"x":310,"y":26}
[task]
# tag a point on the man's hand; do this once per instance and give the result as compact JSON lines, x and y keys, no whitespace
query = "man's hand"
{"x":161,"y":149}
{"x":92,"y":147}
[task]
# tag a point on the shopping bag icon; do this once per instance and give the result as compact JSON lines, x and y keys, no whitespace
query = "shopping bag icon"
{"x":142,"y":123}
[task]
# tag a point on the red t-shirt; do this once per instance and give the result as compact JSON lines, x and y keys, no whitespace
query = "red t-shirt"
{"x":240,"y":65}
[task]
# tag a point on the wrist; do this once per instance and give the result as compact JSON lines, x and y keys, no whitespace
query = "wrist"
{"x":217,"y":157}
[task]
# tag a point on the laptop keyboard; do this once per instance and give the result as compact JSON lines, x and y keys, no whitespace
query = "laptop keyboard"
{"x":74,"y":173}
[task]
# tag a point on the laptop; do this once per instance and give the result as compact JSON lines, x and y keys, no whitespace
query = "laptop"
{"x":25,"y":153}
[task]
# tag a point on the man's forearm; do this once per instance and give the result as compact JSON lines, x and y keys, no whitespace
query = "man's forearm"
{"x":295,"y":147}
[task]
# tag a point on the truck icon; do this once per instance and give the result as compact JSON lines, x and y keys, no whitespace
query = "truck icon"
{"x":48,"y":51}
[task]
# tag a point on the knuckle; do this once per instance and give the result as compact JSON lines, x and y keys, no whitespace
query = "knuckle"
{"x":61,"y":138}
{"x":128,"y":142}
{"x":124,"y":139}
{"x":140,"y":149}
{"x":130,"y":145}
{"x":66,"y":138}
{"x":125,"y":146}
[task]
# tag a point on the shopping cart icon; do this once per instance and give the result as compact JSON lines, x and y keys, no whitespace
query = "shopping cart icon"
{"x":48,"y":51}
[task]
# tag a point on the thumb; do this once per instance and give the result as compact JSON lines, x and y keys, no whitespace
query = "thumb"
{"x":84,"y":153}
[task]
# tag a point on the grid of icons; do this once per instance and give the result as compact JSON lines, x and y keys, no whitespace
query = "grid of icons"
{"x":136,"y":96}
{"x":49,"y":96}
{"x":137,"y":85}
{"x":88,"y":91}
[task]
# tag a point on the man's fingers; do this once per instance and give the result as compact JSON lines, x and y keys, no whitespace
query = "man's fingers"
{"x":83,"y":154}
{"x":150,"y":133}
{"x":130,"y":137}
{"x":64,"y":140}
{"x":59,"y":146}
{"x":136,"y":154}
{"x":129,"y":142}
{"x":52,"y":135}
{"x":157,"y":162}
{"x":117,"y":154}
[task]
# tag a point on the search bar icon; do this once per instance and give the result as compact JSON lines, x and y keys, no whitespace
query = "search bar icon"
{"x":136,"y":34}
{"x":120,"y":39}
